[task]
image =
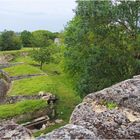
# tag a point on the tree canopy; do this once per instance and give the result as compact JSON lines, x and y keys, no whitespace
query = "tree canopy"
{"x":9,"y":41}
{"x":26,"y":38}
{"x":43,"y":38}
{"x":102,"y":40}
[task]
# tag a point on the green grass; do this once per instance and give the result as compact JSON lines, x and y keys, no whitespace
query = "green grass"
{"x":52,"y":68}
{"x":27,"y":106}
{"x":60,"y":85}
{"x":111,"y":105}
{"x":32,"y":86}
{"x":25,"y":59}
{"x":23,"y":69}
{"x":67,"y":96}
{"x":67,"y":101}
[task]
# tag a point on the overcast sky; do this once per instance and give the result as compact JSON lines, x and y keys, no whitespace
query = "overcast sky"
{"x":32,"y":15}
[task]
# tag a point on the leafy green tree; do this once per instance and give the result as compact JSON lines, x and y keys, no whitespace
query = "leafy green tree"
{"x":45,"y":55}
{"x":42,"y":55}
{"x":99,"y":52}
{"x":42,"y":38}
{"x":9,"y":41}
{"x":26,"y":38}
{"x":128,"y":17}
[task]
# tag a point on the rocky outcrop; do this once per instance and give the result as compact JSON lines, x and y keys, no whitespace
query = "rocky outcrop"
{"x":4,"y":75}
{"x":11,"y":131}
{"x":126,"y":93}
{"x":112,"y":113}
{"x":105,"y":123}
{"x":4,"y":86}
{"x":7,"y":57}
{"x":69,"y":132}
{"x":4,"y":58}
{"x":5,"y":83}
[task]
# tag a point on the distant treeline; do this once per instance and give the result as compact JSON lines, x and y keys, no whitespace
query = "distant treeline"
{"x":10,"y":40}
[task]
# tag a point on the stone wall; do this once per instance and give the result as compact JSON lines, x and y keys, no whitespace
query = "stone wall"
{"x":4,"y":58}
{"x":48,"y":110}
{"x":13,"y":99}
{"x":13,"y":78}
{"x":5,"y":76}
{"x":93,"y":119}
{"x":3,"y":89}
{"x":6,"y":65}
{"x":7,"y":57}
{"x":5,"y":84}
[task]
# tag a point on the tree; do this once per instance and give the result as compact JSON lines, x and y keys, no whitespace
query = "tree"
{"x":43,"y":41}
{"x":42,"y":55}
{"x":42,"y":38}
{"x":9,"y":41}
{"x":98,"y":51}
{"x":26,"y":38}
{"x":128,"y":17}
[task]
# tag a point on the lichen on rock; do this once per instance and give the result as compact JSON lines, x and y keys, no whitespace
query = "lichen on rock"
{"x":69,"y":132}
{"x":12,"y":131}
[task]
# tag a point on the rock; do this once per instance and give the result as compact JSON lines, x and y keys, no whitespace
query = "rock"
{"x":109,"y":124}
{"x":4,"y":58}
{"x":43,"y":127}
{"x":126,"y":94}
{"x":93,"y":120}
{"x":58,"y":121}
{"x":52,"y":123}
{"x":41,"y":93}
{"x":5,"y":76}
{"x":3,"y":89}
{"x":12,"y":131}
{"x":69,"y":132}
{"x":49,"y":97}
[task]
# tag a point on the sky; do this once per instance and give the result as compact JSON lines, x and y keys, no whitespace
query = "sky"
{"x":19,"y":15}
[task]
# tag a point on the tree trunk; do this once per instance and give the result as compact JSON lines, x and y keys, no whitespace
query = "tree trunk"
{"x":41,"y":65}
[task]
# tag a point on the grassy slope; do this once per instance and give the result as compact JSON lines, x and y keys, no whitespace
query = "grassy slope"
{"x":23,"y":69}
{"x":58,"y":84}
{"x":11,"y":110}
